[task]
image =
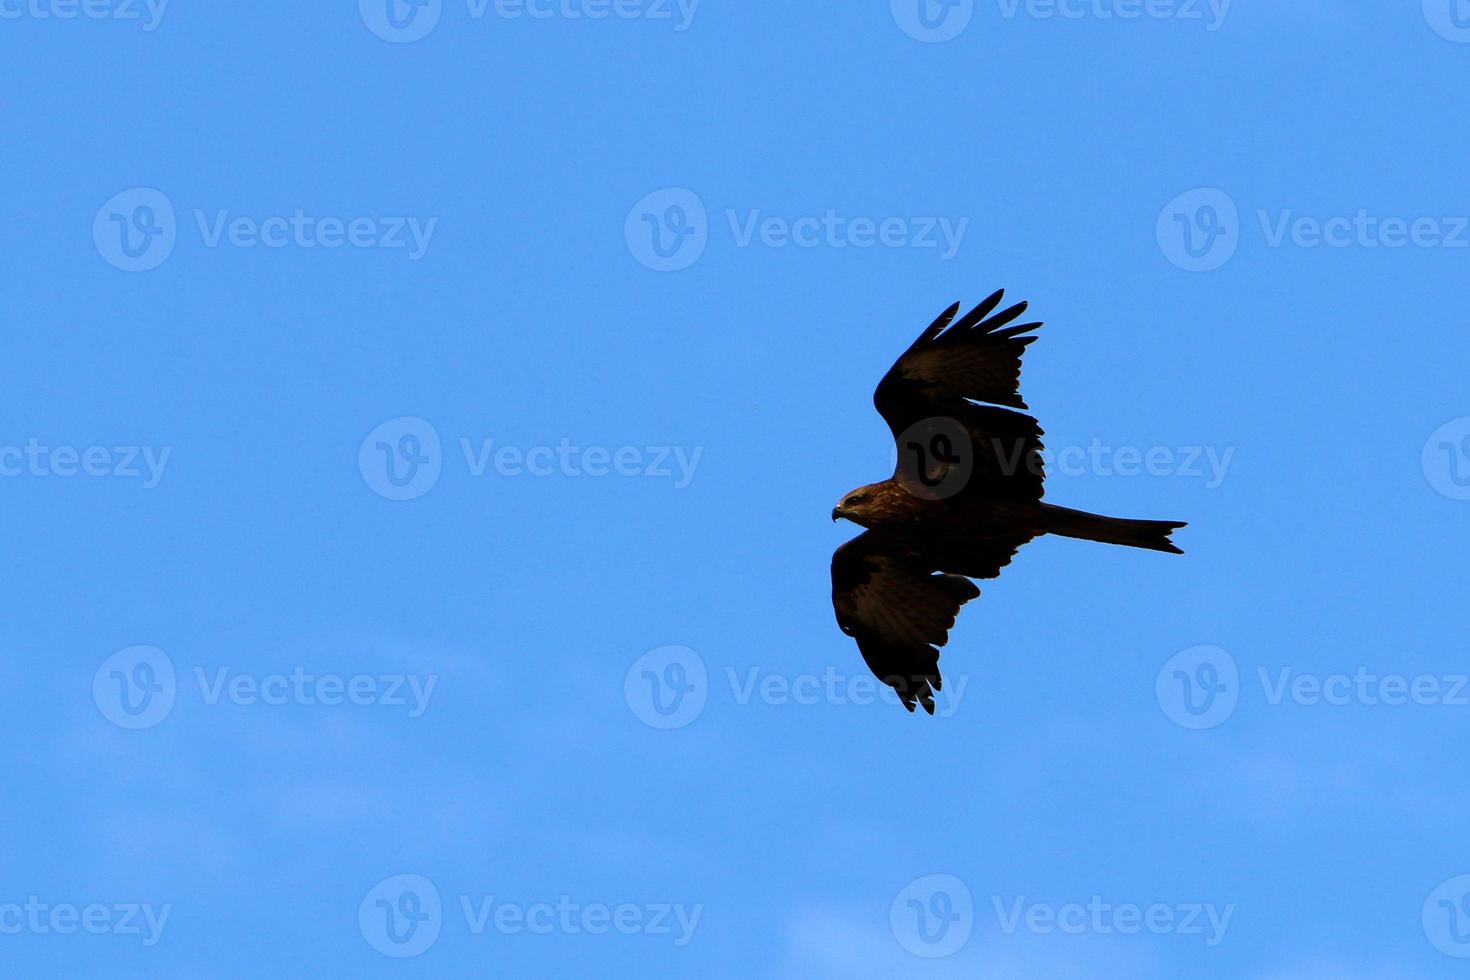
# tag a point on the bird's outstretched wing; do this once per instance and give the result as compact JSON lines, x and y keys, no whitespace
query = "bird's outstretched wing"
{"x":928,"y":400}
{"x":899,"y":610}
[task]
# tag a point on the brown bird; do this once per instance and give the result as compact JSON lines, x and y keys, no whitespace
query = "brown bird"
{"x":964,"y":496}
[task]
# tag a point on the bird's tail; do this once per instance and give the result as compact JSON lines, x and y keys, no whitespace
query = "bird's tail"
{"x":1153,"y":535}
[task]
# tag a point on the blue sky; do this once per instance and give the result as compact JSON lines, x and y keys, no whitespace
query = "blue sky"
{"x":420,"y":427}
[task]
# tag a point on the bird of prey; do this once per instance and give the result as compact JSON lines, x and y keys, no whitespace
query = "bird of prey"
{"x":964,"y":496}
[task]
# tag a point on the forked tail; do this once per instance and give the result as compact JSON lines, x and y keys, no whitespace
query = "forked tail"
{"x":1153,"y":535}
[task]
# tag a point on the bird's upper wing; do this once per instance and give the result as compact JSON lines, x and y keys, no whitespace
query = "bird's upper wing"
{"x":951,"y":366}
{"x":899,"y":611}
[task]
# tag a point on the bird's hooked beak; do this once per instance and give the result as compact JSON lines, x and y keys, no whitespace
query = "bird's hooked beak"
{"x":836,"y":513}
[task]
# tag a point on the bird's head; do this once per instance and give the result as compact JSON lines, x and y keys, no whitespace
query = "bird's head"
{"x":861,"y":506}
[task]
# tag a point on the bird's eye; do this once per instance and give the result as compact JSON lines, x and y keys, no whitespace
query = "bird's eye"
{"x":857,"y":498}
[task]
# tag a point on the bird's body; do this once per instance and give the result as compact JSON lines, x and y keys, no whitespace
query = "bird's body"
{"x":964,"y":496}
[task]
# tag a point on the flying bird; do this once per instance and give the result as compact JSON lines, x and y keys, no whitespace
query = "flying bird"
{"x":964,"y":496}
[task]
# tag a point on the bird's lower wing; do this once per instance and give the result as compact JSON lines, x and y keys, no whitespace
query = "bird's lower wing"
{"x":899,"y":610}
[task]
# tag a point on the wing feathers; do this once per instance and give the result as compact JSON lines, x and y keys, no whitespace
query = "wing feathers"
{"x":953,"y":365}
{"x":977,"y":357}
{"x":933,"y":330}
{"x":973,"y":319}
{"x":899,"y":610}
